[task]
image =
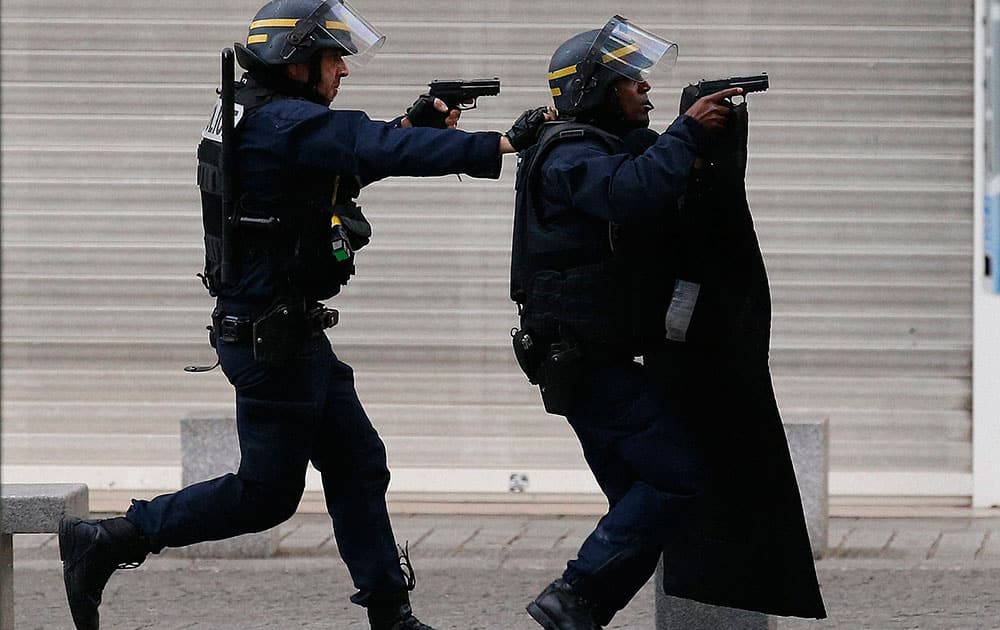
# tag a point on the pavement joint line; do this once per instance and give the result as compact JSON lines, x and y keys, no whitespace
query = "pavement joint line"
{"x":559,"y":540}
{"x":934,"y":546}
{"x":286,"y":533}
{"x":843,"y":539}
{"x":518,"y":535}
{"x":461,"y":545}
{"x":422,"y":538}
{"x":324,"y":542}
{"x":504,"y":557}
{"x":982,"y":545}
{"x":885,"y":548}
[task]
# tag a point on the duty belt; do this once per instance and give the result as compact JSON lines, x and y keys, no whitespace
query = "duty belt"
{"x":235,"y":329}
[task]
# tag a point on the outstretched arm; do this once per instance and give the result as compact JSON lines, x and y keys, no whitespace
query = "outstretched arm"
{"x":427,"y":111}
{"x":621,"y":187}
{"x":584,"y":177}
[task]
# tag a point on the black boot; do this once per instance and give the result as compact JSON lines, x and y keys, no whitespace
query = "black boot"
{"x":90,"y":552}
{"x":559,"y":607}
{"x":393,"y":612}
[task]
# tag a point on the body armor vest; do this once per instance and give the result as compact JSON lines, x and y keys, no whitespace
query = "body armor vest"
{"x":568,"y":282}
{"x":312,"y":236}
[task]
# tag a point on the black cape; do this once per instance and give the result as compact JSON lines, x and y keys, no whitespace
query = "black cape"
{"x":749,"y":548}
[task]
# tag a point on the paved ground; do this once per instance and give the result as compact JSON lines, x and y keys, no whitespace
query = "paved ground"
{"x":478,"y":572}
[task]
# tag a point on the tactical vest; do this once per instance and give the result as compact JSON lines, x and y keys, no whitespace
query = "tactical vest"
{"x":566,"y":283}
{"x":314,"y":242}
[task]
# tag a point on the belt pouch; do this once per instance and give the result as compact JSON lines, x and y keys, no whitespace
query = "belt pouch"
{"x":559,"y":377}
{"x":277,"y":334}
{"x":529,"y":352}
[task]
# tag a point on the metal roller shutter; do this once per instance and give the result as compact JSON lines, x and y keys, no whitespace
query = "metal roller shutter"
{"x":860,"y":180}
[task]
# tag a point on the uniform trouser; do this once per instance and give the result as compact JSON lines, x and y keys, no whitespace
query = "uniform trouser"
{"x":285,"y":417}
{"x":647,"y":462}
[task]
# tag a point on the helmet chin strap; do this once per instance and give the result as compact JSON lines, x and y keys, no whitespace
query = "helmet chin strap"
{"x":587,"y":81}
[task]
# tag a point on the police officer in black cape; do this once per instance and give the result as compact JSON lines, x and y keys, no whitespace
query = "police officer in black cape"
{"x":628,"y":243}
{"x":293,"y":235}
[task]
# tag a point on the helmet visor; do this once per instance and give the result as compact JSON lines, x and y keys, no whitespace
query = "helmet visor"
{"x":333,"y":24}
{"x":630,"y":50}
{"x":352,"y":32}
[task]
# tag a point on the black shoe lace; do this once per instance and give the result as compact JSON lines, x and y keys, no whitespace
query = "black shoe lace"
{"x":407,"y":567}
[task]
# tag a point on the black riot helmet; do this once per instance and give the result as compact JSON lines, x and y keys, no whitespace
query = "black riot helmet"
{"x":585,"y":66}
{"x":292,"y":31}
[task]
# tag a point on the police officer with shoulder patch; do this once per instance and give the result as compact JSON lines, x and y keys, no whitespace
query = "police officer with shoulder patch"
{"x":281,"y":234}
{"x":628,"y":243}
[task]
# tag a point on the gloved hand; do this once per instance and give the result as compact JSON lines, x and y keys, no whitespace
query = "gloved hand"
{"x":425,"y":112}
{"x":526,"y":128}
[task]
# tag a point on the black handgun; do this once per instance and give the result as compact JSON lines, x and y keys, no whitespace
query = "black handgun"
{"x":756,"y":83}
{"x":462,"y":94}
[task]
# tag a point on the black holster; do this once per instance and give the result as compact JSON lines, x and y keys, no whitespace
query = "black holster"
{"x":555,"y":366}
{"x":277,"y":333}
{"x":559,"y":376}
{"x":529,"y":351}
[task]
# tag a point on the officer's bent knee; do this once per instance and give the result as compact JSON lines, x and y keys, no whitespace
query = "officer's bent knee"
{"x":272,"y":504}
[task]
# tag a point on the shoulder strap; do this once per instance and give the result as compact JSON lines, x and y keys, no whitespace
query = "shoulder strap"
{"x":527,"y":199}
{"x":554,"y":134}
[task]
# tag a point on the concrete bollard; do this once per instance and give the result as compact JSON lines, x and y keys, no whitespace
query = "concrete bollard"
{"x":210,"y":449}
{"x":675,"y":613}
{"x":809,"y":445}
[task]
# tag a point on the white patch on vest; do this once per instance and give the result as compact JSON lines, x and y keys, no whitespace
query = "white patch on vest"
{"x":681,"y":309}
{"x":213,"y":130}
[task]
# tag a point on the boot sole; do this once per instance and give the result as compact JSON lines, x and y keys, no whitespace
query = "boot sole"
{"x":539,"y":615}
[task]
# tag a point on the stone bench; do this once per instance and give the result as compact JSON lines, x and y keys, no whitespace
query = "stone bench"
{"x":32,"y":508}
{"x":809,"y":445}
{"x":209,"y":449}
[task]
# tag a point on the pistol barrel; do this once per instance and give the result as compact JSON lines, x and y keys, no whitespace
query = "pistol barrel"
{"x":756,"y":83}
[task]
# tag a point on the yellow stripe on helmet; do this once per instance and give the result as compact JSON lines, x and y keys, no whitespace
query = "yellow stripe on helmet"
{"x":257,"y":39}
{"x":291,"y":22}
{"x":621,"y":52}
{"x":556,"y":92}
{"x":558,"y":74}
{"x":274,"y":23}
